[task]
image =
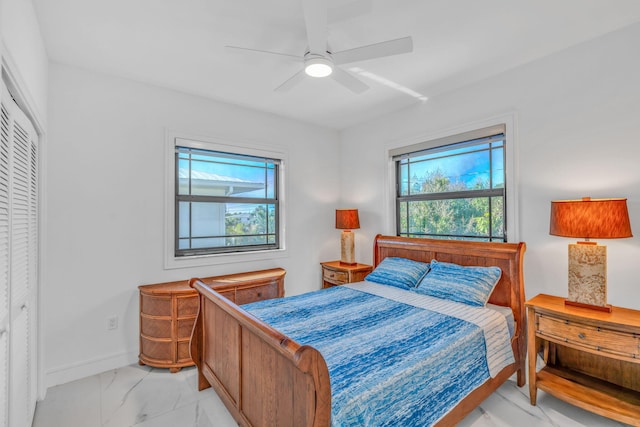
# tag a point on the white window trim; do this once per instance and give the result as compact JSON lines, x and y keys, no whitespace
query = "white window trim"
{"x":218,"y":144}
{"x":512,"y":178}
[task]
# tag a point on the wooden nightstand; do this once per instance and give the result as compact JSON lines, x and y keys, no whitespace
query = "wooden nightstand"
{"x":336,"y":274}
{"x":592,"y":357}
{"x":167,"y":313}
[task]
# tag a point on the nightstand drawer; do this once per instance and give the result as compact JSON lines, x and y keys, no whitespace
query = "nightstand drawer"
{"x":336,"y":276}
{"x":590,"y":337}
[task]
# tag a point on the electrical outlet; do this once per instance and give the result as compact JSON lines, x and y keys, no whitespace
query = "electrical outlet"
{"x":112,"y":322}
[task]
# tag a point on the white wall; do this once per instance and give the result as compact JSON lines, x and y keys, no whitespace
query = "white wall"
{"x":578,"y":133}
{"x":106,"y":207}
{"x":25,"y":52}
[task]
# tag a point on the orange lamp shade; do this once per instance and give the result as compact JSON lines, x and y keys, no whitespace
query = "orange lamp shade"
{"x":347,"y":219}
{"x":590,"y":218}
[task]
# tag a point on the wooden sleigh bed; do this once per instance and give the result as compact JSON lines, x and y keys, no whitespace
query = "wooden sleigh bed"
{"x":265,"y":378}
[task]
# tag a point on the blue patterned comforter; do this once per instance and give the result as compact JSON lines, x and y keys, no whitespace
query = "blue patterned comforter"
{"x":391,"y":361}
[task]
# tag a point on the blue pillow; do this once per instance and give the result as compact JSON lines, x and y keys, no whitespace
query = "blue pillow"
{"x":399,"y":272}
{"x":468,"y":285}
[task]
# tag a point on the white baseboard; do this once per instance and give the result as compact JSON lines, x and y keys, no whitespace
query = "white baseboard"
{"x":76,"y":371}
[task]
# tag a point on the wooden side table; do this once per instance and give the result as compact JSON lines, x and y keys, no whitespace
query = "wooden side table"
{"x":592,"y":357}
{"x":168,"y":312}
{"x":335,"y":274}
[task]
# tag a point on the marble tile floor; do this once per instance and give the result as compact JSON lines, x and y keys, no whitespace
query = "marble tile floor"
{"x":148,"y":397}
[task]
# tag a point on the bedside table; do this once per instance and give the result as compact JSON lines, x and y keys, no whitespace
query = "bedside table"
{"x":592,"y":357}
{"x":167,"y":314}
{"x":336,"y":274}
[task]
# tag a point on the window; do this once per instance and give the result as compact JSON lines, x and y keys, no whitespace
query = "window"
{"x":453,"y":188}
{"x":225,"y":202}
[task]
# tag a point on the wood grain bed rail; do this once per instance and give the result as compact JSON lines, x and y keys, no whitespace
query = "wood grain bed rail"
{"x":263,"y":377}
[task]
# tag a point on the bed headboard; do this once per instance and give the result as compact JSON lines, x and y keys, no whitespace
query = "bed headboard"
{"x":508,"y":256}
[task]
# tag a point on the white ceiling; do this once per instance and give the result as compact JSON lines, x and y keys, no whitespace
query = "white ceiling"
{"x":179,"y":44}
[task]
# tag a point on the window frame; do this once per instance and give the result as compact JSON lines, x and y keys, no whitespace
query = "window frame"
{"x":506,"y":122}
{"x":199,"y":198}
{"x":487,"y":193}
{"x":182,"y":139}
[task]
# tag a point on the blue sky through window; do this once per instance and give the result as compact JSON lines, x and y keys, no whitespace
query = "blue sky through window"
{"x":224,"y":167}
{"x":465,"y":166}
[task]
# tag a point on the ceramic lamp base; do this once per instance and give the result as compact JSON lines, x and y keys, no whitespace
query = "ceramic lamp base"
{"x":588,"y":275}
{"x":347,"y":245}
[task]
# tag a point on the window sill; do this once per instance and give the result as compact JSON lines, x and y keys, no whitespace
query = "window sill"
{"x":173,"y":262}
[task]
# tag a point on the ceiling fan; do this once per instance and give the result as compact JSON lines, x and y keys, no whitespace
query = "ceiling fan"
{"x":320,"y":61}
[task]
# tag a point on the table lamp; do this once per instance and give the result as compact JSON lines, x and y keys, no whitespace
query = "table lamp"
{"x":589,"y":219}
{"x":347,"y":220}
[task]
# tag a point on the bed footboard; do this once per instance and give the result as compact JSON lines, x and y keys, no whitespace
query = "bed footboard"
{"x":263,"y":377}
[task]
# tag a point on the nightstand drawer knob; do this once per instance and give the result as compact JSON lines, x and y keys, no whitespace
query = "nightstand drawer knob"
{"x":581,"y":336}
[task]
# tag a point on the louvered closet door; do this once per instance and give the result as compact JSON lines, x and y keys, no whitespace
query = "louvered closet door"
{"x":18,"y":262}
{"x":21,"y":285}
{"x":4,"y":266}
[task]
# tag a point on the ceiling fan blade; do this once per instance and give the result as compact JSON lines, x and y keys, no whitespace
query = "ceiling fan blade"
{"x":348,"y":81}
{"x":376,"y":50}
{"x":291,"y":82}
{"x":315,"y":19}
{"x":245,"y":49}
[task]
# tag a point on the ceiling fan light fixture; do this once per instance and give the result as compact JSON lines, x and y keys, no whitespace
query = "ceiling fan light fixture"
{"x":318,"y":67}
